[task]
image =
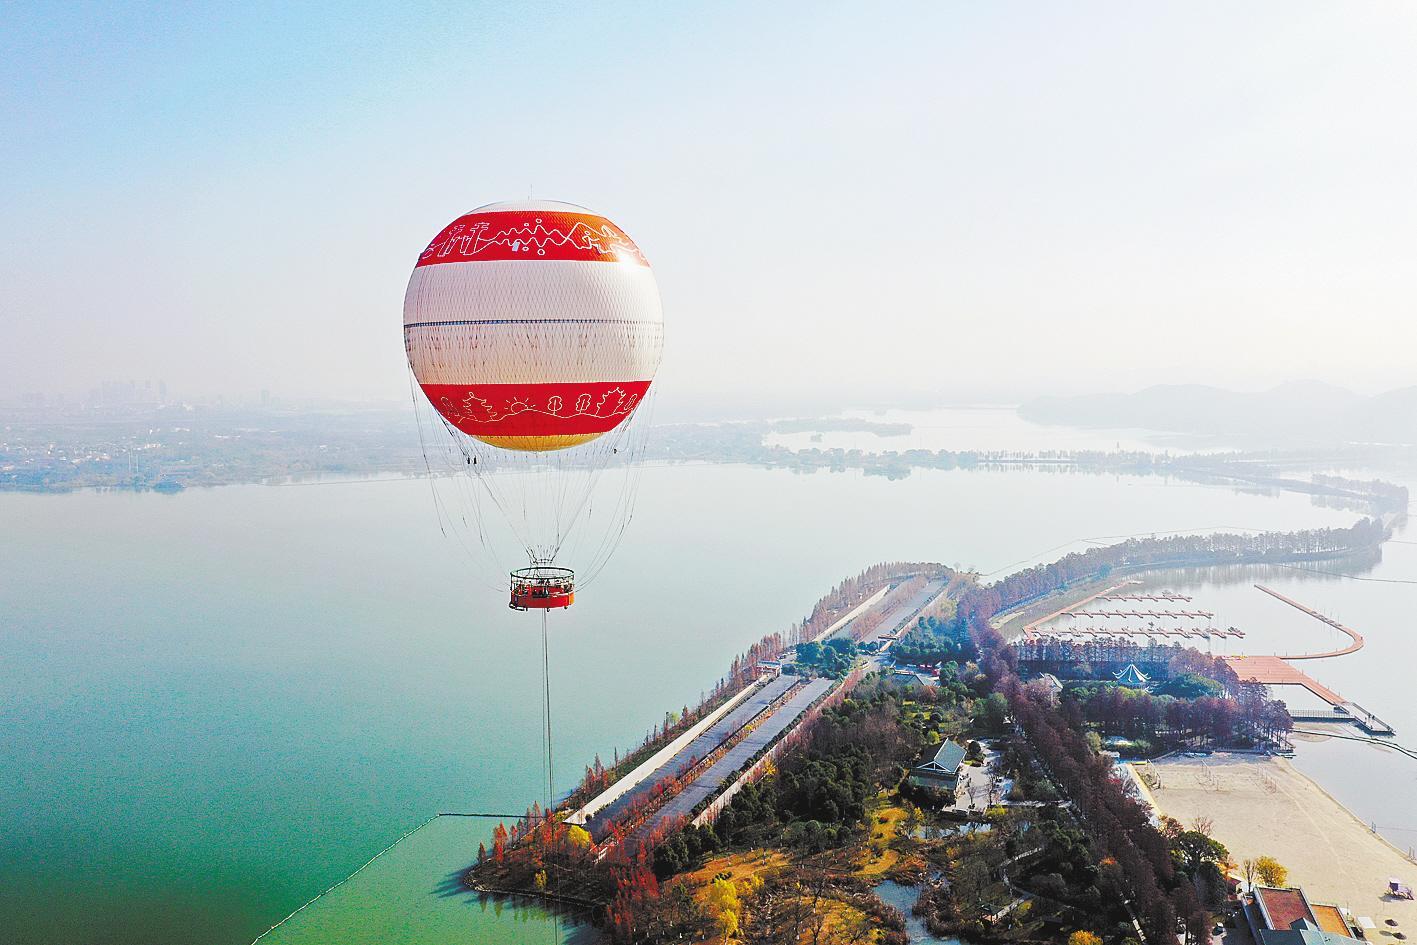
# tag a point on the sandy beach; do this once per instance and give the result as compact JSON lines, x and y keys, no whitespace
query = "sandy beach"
{"x":1263,"y":806}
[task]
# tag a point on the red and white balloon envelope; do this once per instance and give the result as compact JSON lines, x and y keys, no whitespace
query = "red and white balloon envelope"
{"x":534,"y":331}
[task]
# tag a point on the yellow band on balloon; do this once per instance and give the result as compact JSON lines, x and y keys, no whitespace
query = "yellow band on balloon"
{"x":538,"y":444}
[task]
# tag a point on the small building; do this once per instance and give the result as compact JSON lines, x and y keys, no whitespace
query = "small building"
{"x":777,"y":665}
{"x":1286,"y":917}
{"x":1054,"y":686}
{"x":940,"y":770}
{"x":1132,"y":677}
{"x":908,"y":679}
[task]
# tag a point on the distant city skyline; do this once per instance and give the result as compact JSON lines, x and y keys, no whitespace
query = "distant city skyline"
{"x":973,"y":203}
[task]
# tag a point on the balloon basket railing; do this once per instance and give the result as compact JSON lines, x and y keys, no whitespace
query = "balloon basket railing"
{"x":542,"y":587}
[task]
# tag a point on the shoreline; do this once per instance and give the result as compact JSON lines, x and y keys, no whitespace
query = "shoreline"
{"x":1365,"y":744}
{"x":1144,"y":789}
{"x":1264,"y":805}
{"x":1318,"y":786}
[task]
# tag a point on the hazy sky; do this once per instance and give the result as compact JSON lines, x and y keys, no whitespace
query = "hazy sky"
{"x":986,"y":200}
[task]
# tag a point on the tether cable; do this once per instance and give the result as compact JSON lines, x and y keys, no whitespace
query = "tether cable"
{"x":548,"y":825}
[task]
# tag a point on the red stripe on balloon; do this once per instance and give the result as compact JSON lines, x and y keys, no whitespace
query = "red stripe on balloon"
{"x":531,"y":235}
{"x":536,"y":409}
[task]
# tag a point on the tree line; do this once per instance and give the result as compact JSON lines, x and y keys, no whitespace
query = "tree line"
{"x":1221,"y":548}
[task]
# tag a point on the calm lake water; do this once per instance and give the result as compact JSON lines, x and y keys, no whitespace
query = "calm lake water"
{"x":219,"y":703}
{"x":904,"y":899}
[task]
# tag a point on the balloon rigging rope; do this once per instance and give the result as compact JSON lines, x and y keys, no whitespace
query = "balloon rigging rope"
{"x":634,"y":479}
{"x":438,"y":504}
{"x":623,"y":441}
{"x":423,"y":448}
{"x":623,"y":510}
{"x":455,"y":482}
{"x":484,"y":479}
{"x":594,"y":478}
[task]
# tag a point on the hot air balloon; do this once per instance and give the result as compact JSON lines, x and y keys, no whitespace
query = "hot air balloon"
{"x":534,"y":330}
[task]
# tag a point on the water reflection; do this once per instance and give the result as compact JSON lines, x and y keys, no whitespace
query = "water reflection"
{"x":903,"y":898}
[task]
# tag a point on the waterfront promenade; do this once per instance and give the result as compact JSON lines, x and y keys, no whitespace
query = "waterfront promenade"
{"x":1355,"y":639}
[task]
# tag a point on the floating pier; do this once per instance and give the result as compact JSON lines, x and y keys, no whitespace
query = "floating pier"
{"x":1199,"y":633}
{"x":1159,"y":598}
{"x":1152,"y":623}
{"x":1143,"y":614}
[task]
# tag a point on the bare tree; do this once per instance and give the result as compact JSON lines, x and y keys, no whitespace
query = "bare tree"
{"x":1249,"y":871}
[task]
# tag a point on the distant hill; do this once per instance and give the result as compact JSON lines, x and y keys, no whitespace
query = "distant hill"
{"x":1307,"y":411}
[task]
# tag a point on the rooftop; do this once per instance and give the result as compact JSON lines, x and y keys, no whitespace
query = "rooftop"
{"x":1283,"y":908}
{"x":1304,"y":933}
{"x":1131,"y":676}
{"x":948,"y":757}
{"x":1329,"y":918}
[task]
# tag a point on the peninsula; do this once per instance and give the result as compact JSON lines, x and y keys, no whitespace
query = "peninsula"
{"x":896,"y":763}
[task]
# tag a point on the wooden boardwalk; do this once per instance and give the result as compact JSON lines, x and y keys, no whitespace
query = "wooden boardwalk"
{"x":1276,"y":671}
{"x":1163,"y":597}
{"x":1355,"y":638}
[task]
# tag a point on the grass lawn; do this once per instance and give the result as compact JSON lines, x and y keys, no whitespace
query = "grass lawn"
{"x":879,"y":853}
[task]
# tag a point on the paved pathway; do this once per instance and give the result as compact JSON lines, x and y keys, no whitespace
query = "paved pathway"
{"x":736,"y":759}
{"x":901,"y":606}
{"x":701,"y":747}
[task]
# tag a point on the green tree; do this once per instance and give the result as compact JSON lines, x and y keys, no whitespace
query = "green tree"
{"x":809,"y":653}
{"x":1189,"y":686}
{"x":992,"y":711}
{"x":914,"y":819}
{"x":1193,"y":848}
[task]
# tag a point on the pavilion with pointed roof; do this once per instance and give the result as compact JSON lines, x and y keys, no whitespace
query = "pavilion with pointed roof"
{"x":1132,"y":677}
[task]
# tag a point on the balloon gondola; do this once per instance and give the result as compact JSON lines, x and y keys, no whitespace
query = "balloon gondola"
{"x":542,"y":588}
